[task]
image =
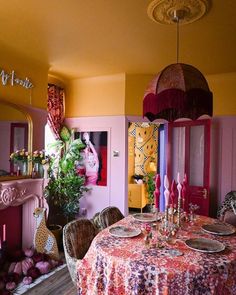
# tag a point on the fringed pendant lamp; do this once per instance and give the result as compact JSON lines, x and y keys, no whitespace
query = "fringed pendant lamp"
{"x":179,"y":90}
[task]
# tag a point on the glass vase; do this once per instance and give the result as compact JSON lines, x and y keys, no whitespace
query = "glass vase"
{"x":38,"y":170}
{"x":24,"y":168}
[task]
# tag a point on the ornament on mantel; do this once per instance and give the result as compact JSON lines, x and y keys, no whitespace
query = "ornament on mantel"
{"x":44,"y":240}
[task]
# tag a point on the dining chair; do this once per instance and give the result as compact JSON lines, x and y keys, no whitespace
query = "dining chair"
{"x":77,"y":237}
{"x":227,"y":211}
{"x":109,"y":215}
{"x":96,"y":222}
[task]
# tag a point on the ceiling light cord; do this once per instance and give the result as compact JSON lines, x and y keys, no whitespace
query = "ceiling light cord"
{"x":177,"y":40}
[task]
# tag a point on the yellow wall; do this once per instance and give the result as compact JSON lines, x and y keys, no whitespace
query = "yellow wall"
{"x":97,"y":96}
{"x":223,"y":87}
{"x":123,"y":95}
{"x":135,"y":86}
{"x":23,"y":68}
{"x":8,"y":113}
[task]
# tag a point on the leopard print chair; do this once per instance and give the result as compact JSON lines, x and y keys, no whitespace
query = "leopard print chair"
{"x":77,"y":237}
{"x":227,"y":211}
{"x":110,"y":215}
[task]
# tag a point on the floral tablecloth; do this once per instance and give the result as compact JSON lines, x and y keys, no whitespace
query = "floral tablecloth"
{"x":128,"y":266}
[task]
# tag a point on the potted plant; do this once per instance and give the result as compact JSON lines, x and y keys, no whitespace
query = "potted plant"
{"x":65,"y":187}
{"x":150,"y":182}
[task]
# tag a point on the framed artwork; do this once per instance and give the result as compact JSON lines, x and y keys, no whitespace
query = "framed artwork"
{"x":93,"y":163}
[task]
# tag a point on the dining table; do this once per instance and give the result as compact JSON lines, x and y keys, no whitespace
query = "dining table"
{"x":128,"y":264}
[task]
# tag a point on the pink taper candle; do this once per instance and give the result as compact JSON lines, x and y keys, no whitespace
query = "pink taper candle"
{"x":166,"y":192}
{"x":157,"y":190}
{"x":4,"y":232}
{"x":172,"y":193}
{"x":184,"y":190}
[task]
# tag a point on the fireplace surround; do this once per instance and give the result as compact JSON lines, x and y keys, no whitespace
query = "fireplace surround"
{"x":29,"y":194}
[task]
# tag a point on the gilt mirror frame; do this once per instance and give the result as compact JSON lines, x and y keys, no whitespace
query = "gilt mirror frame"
{"x":23,"y":110}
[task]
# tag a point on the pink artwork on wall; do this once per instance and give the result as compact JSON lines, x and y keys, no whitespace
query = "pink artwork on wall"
{"x":93,"y":162}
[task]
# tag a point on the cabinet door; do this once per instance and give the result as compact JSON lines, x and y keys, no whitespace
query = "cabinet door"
{"x":135,"y":192}
{"x":137,"y":195}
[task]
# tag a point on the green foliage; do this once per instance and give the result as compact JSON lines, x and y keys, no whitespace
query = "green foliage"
{"x":65,"y":187}
{"x":150,"y":181}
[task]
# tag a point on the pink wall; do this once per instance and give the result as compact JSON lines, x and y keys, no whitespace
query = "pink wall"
{"x":115,"y":193}
{"x":222,"y":172}
{"x":223,"y":158}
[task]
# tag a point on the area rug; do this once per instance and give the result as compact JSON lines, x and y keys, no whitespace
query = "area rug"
{"x":21,"y":288}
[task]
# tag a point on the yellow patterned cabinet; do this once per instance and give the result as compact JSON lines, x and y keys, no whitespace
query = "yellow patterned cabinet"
{"x":137,"y":196}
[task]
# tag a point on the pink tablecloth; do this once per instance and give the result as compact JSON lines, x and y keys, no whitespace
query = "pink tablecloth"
{"x":126,"y":266}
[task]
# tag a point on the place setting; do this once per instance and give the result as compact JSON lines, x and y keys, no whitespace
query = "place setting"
{"x":124,"y":231}
{"x":219,"y":228}
{"x":146,"y":217}
{"x":205,"y":245}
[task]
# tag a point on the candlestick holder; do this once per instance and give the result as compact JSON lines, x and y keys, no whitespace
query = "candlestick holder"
{"x":179,"y":212}
{"x":166,"y":217}
{"x":179,"y":188}
{"x":171,"y":214}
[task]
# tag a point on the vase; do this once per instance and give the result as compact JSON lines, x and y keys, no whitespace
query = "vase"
{"x":45,"y":170}
{"x":56,"y":229}
{"x":38,"y":170}
{"x":24,"y":168}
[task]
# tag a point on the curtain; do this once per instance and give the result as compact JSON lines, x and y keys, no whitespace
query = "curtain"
{"x":55,"y":107}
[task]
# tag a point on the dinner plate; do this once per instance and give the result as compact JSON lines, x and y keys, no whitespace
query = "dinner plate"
{"x":124,"y":232}
{"x":205,"y":245}
{"x":145,"y":217}
{"x":221,"y":229}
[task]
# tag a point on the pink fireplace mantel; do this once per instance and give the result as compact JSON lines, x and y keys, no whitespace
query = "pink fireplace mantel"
{"x":29,"y":194}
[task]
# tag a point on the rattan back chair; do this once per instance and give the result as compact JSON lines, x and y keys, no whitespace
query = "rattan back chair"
{"x":109,"y":215}
{"x":77,"y":237}
{"x":96,"y":222}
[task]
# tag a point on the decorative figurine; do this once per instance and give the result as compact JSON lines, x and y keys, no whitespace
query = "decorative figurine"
{"x":44,"y":240}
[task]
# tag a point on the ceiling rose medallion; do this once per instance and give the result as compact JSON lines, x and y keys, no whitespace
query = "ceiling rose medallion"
{"x":162,"y":11}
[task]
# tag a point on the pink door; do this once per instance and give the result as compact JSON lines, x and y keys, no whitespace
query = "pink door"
{"x":189,"y":152}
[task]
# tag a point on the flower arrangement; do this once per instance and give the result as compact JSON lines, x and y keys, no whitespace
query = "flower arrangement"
{"x":40,"y":157}
{"x":19,"y":156}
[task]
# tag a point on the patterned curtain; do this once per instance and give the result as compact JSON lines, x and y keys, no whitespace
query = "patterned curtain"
{"x":55,"y":108}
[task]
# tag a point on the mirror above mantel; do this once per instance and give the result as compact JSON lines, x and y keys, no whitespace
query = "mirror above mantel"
{"x":26,"y":121}
{"x":16,"y":133}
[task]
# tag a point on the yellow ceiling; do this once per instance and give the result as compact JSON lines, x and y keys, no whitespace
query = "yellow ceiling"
{"x":82,"y":38}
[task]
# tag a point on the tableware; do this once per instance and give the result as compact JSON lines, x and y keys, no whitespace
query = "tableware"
{"x":205,"y":245}
{"x":220,"y":229}
{"x":124,"y":232}
{"x":146,"y":217}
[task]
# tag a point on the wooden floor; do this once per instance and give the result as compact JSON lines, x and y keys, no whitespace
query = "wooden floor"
{"x":59,"y":284}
